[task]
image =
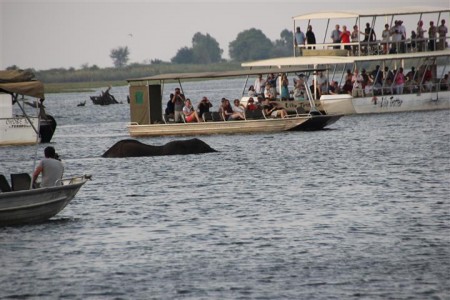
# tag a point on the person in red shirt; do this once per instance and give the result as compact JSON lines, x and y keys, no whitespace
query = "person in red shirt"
{"x":345,"y":37}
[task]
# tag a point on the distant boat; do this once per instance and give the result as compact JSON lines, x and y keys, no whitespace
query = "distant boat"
{"x":25,"y":129}
{"x":82,"y":103}
{"x":25,"y":206}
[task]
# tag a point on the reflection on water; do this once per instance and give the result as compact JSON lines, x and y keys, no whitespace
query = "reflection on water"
{"x":359,"y":210}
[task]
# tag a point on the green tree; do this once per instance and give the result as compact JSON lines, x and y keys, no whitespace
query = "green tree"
{"x":205,"y":49}
{"x":184,"y":55}
{"x":283,"y":46}
{"x":120,"y":56}
{"x":251,"y":44}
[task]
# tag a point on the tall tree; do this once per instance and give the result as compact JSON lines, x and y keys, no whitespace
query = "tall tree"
{"x":284,"y":45}
{"x":120,"y":56}
{"x":205,"y":49}
{"x":184,"y":56}
{"x":251,"y":44}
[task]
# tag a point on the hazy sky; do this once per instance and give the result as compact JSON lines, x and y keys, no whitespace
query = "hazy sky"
{"x":45,"y":34}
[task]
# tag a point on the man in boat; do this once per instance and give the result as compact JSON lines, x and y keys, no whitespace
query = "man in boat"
{"x":299,"y":40}
{"x":442,"y":31}
{"x":51,"y":168}
{"x":178,"y":101}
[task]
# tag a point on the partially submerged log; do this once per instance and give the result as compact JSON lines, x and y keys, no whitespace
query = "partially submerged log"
{"x":104,"y":99}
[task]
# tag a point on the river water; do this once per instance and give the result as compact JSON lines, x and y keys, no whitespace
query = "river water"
{"x":357,"y":211}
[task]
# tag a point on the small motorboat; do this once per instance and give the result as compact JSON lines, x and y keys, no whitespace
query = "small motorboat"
{"x":21,"y":205}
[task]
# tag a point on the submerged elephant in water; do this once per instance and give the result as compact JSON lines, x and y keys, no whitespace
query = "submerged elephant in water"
{"x":134,"y":148}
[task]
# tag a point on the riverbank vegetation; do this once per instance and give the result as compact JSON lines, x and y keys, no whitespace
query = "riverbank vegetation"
{"x":204,"y":55}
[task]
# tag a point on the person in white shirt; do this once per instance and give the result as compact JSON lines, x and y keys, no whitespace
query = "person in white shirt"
{"x":51,"y":168}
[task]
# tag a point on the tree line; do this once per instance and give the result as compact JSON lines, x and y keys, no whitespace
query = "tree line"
{"x":251,"y":44}
{"x":204,"y":54}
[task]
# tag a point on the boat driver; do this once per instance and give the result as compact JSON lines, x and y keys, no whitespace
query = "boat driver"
{"x":51,"y":168}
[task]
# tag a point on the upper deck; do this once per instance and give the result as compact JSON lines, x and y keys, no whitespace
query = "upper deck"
{"x":323,"y":23}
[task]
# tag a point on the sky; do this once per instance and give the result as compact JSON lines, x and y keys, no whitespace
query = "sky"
{"x":45,"y":34}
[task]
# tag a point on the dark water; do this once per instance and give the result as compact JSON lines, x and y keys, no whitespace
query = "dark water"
{"x":357,"y":211}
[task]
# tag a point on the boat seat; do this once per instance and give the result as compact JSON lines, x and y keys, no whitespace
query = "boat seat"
{"x":216,"y":116}
{"x":4,"y":184}
{"x":254,"y":114}
{"x":207,"y":116}
{"x":20,"y":181}
{"x":299,"y":110}
{"x":168,"y":118}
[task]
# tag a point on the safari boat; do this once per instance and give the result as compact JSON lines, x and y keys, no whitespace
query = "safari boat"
{"x":147,"y":118}
{"x":426,"y":86}
{"x":23,"y":129}
{"x":21,"y":205}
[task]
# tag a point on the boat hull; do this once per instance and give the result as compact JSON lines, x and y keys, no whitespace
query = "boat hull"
{"x":386,"y":104}
{"x":36,"y":205}
{"x":220,"y":127}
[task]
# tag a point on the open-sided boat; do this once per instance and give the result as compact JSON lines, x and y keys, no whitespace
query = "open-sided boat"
{"x":426,"y":68}
{"x":24,"y":205}
{"x":147,"y":112}
{"x":24,"y":129}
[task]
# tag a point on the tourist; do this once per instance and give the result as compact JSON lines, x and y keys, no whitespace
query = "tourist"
{"x":357,"y":81}
{"x":442,"y":31}
{"x":251,"y":104}
{"x":399,"y":81}
{"x":444,"y":83}
{"x":284,"y":94}
{"x":355,"y":39}
{"x":178,"y":101}
{"x":420,"y":37}
{"x":251,"y":91}
{"x":238,"y":107}
{"x":170,"y":108}
{"x":336,"y":36}
{"x":310,"y":37}
{"x":432,"y":37}
{"x":345,"y":37}
{"x":51,"y":169}
{"x":386,"y":38}
{"x":228,"y":112}
{"x":271,"y":109}
{"x":204,"y":106}
{"x":260,"y":85}
{"x":411,"y":74}
{"x":369,"y":37}
{"x":190,"y":114}
{"x":299,"y":40}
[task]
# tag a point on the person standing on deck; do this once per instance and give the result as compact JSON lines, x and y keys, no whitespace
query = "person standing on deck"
{"x":299,"y":40}
{"x":51,"y":168}
{"x":310,"y":37}
{"x":420,"y":37}
{"x":442,"y":31}
{"x":345,"y":37}
{"x":178,"y":101}
{"x":432,"y":37}
{"x":260,"y":84}
{"x":336,"y":36}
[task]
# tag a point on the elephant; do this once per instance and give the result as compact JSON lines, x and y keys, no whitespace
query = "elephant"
{"x":134,"y":148}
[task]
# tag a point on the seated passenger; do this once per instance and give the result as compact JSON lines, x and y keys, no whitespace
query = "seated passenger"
{"x":203,"y":106}
{"x":228,"y":112}
{"x":238,"y":107}
{"x":347,"y":87}
{"x":189,"y":113}
{"x":251,"y":91}
{"x":251,"y":104}
{"x":271,"y":109}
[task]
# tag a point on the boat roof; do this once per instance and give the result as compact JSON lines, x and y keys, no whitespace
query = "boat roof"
{"x":331,"y":60}
{"x":410,"y":10}
{"x":237,"y":73}
{"x":21,"y":82}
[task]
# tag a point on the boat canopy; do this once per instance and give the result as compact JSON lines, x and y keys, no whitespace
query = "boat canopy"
{"x":238,"y":73}
{"x":332,"y":60}
{"x":22,"y":83}
{"x":411,"y":10}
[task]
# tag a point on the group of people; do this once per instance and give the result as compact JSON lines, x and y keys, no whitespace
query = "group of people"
{"x":178,"y":106}
{"x":393,"y":38}
{"x":389,"y":81}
